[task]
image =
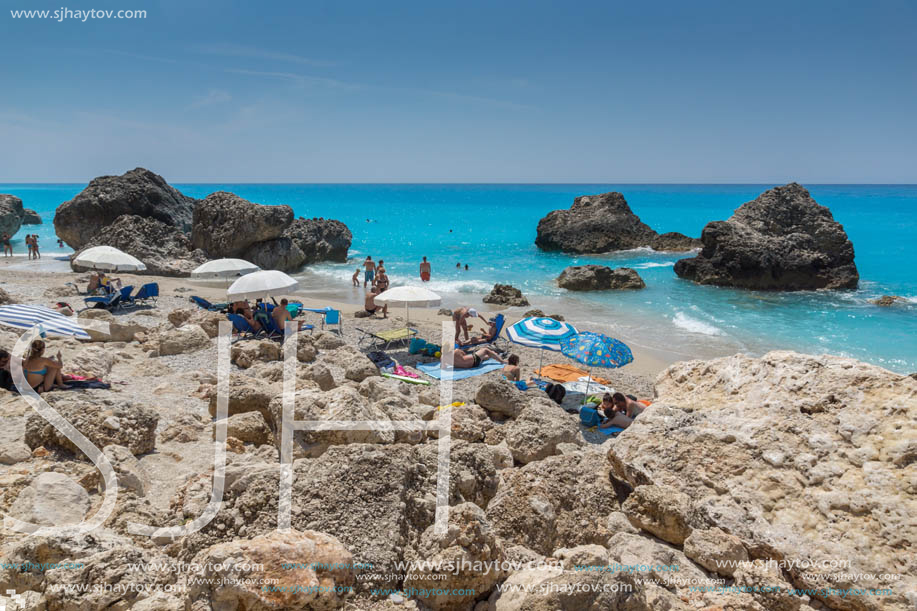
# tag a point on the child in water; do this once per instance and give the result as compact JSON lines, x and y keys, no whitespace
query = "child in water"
{"x":356,"y":277}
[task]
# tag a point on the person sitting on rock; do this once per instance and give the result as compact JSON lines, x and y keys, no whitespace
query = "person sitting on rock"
{"x":625,"y":409}
{"x":281,"y":315}
{"x":43,"y":374}
{"x":371,"y":307}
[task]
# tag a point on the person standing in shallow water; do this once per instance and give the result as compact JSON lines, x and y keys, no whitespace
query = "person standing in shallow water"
{"x":369,"y":273}
{"x":425,"y":270}
{"x":7,"y":246}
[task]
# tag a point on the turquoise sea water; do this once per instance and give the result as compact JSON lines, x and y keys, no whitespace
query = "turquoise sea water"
{"x":492,"y":229}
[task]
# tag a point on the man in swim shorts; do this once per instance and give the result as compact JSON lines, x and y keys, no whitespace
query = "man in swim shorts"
{"x":369,"y":273}
{"x":460,"y":317}
{"x":371,"y":307}
{"x":425,"y":270}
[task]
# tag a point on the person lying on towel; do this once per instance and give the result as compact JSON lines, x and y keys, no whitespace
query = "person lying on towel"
{"x":620,"y":410}
{"x":459,"y":359}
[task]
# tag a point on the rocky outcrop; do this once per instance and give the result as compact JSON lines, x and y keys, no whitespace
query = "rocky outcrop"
{"x":804,"y":459}
{"x":164,"y":249}
{"x":599,"y":278}
{"x":506,"y":295}
{"x":30,"y":217}
{"x":52,"y":499}
{"x":603,"y":223}
{"x":103,"y":421}
{"x":888,"y":300}
{"x":783,"y":240}
{"x":320,"y":239}
{"x":11,"y":214}
{"x":225,"y":225}
{"x":138,"y":192}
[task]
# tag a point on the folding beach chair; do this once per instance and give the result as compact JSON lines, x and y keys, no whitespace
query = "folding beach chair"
{"x":147,"y":293}
{"x":206,"y":305}
{"x":241,"y":327}
{"x":386,"y":338}
{"x":333,"y":317}
{"x":501,"y":322}
{"x":109,"y":301}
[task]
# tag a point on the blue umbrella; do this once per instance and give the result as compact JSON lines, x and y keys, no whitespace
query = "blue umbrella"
{"x":596,"y":350}
{"x":50,"y":322}
{"x":545,"y":333}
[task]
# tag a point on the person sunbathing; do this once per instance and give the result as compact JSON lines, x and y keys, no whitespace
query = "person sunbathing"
{"x":245,"y":311}
{"x":620,"y":410}
{"x":463,"y":360}
{"x":486,"y":336}
{"x":94,"y":283}
{"x":512,"y":371}
{"x":42,"y":374}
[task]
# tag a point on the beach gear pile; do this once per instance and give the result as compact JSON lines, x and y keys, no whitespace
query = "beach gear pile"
{"x":422,"y":346}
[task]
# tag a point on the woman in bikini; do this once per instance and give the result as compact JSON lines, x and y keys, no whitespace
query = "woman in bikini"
{"x":42,"y":373}
{"x":463,"y":360}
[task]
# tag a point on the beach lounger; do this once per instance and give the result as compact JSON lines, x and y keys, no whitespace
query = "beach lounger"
{"x":501,"y":321}
{"x":206,"y":305}
{"x":108,"y":302}
{"x":241,"y":327}
{"x":148,"y":292}
{"x":434,"y":369}
{"x":386,"y":338}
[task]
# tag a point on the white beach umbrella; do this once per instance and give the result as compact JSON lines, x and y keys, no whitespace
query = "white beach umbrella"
{"x":408,"y":296}
{"x":261,"y":285}
{"x":108,"y":258}
{"x":224,"y":268}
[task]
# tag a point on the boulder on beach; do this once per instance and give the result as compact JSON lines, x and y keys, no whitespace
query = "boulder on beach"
{"x":30,"y":217}
{"x":226,"y":225}
{"x":888,"y":300}
{"x":138,"y":192}
{"x":164,"y":249}
{"x":507,"y":295}
{"x":320,"y":239}
{"x":599,"y":278}
{"x":11,"y":214}
{"x":803,"y":459}
{"x":603,"y":223}
{"x":783,"y":240}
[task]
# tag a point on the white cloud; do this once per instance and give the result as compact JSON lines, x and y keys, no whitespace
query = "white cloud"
{"x":211,"y":98}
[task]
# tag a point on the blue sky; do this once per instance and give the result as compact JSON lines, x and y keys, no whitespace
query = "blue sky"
{"x":528,"y":91}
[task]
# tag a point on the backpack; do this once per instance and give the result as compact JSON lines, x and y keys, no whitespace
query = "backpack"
{"x":589,"y":417}
{"x":556,"y":392}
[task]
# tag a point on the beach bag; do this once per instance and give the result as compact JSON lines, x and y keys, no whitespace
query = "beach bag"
{"x":556,"y":392}
{"x":589,"y":417}
{"x":417,"y":344}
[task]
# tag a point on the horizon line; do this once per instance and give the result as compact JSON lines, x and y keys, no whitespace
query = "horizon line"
{"x":508,"y":183}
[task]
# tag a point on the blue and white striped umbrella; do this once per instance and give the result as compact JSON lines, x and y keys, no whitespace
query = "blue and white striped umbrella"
{"x":51,"y":322}
{"x":541,"y":332}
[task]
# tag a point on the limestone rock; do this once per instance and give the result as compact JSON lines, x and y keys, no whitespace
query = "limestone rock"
{"x":138,"y":192}
{"x":246,"y":394}
{"x":449,"y":571}
{"x":245,"y":354}
{"x":103,"y":421}
{"x":52,"y":499}
{"x":561,"y":501}
{"x":660,"y":510}
{"x":313,"y":571}
{"x":165,"y":249}
{"x":888,"y":300}
{"x":319,"y":373}
{"x":225,"y":225}
{"x":30,"y":217}
{"x":188,"y":338}
{"x":208,"y":321}
{"x":803,"y":458}
{"x":716,"y":550}
{"x":539,"y":429}
{"x":130,"y":472}
{"x":602,"y":223}
{"x":783,"y":240}
{"x":320,"y":239}
{"x":280,"y":253}
{"x":598,"y":278}
{"x":500,"y":397}
{"x":249,"y":427}
{"x":117,"y":331}
{"x":91,"y":361}
{"x":507,"y":295}
{"x":11,"y":214}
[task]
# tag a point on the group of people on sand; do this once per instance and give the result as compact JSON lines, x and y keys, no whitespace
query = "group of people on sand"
{"x":41,"y":373}
{"x":258,"y":318}
{"x":373,"y":275}
{"x":31,"y":241}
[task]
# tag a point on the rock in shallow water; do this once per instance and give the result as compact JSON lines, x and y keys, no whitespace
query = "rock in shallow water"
{"x":598,"y":278}
{"x":783,"y":240}
{"x":505,"y":294}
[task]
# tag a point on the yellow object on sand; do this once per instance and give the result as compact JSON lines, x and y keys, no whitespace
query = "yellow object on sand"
{"x":566,"y":373}
{"x":455,"y":404}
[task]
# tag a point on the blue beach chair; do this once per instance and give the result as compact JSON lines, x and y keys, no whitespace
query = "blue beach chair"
{"x":204,"y":304}
{"x":147,"y":293}
{"x":501,"y":321}
{"x":241,"y":327}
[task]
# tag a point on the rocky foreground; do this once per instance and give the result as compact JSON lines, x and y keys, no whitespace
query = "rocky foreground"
{"x":142,"y":215}
{"x":756,"y":476}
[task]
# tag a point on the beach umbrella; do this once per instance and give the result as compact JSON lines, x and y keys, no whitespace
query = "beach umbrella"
{"x":540,"y":332}
{"x":109,"y":259}
{"x":596,"y":350}
{"x":408,"y":296}
{"x":224,"y":268}
{"x":261,"y":285}
{"x":50,"y":321}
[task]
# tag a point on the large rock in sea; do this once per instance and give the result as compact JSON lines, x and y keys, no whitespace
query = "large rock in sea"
{"x":783,"y":240}
{"x":599,"y":278}
{"x":226,"y":225}
{"x":806,"y":460}
{"x":138,"y":192}
{"x":30,"y":217}
{"x":11,"y":214}
{"x":507,"y":295}
{"x":320,"y":239}
{"x":603,"y":223}
{"x":164,"y":249}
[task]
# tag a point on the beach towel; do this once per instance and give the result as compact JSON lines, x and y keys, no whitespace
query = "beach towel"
{"x":612,"y":430}
{"x":433,"y":370}
{"x":594,"y":388}
{"x":566,"y":373}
